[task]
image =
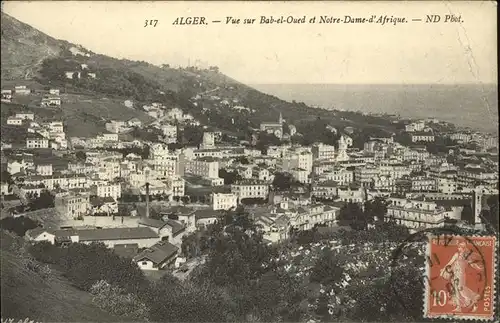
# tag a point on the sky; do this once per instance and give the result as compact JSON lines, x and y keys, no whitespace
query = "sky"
{"x":345,"y":53}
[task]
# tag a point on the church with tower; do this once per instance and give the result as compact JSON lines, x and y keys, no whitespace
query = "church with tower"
{"x":275,"y":128}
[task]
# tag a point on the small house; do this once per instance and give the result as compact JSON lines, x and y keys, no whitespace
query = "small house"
{"x":159,"y":256}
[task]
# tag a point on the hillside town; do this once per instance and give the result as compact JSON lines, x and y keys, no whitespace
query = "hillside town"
{"x":148,"y":190}
{"x":99,"y":192}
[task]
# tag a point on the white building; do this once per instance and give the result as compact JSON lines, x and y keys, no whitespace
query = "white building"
{"x":22,"y":90}
{"x":323,"y":152}
{"x":33,"y":141}
{"x":51,"y":101}
{"x":222,"y":201}
{"x":107,"y":189}
{"x":44,"y":169}
{"x":302,"y":160}
{"x":208,"y":140}
{"x":204,"y":167}
{"x":250,"y":189}
{"x":13,"y":121}
{"x":26,"y":116}
{"x":422,"y":137}
{"x":169,"y":132}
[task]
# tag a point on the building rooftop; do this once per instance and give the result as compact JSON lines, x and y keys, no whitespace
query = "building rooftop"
{"x":108,"y":234}
{"x":158,"y":253}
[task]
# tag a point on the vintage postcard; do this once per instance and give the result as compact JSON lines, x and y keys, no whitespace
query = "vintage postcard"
{"x":249,"y":161}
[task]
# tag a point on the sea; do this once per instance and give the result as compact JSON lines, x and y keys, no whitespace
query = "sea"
{"x":473,"y":106}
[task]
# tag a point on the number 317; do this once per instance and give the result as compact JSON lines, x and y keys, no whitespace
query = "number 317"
{"x":152,"y":23}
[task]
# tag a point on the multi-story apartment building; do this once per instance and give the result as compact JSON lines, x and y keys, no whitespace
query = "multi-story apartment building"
{"x":55,"y":126}
{"x":66,"y":181}
{"x":165,"y":166}
{"x":221,"y":201}
{"x":418,"y":214}
{"x":44,"y":169}
{"x":106,"y":189}
{"x":301,"y":175}
{"x":415,"y":154}
{"x":159,"y":151}
{"x":176,"y":184}
{"x":82,"y":168}
{"x":302,"y":160}
{"x":446,"y":185}
{"x":415,"y":126}
{"x":307,"y":217}
{"x":36,"y":141}
{"x":73,"y":205}
{"x":364,"y":175}
{"x":422,"y":137}
{"x":205,"y":167}
{"x":250,"y":189}
{"x":209,"y":153}
{"x":474,"y":176}
{"x":423,"y":184}
{"x":340,"y":175}
{"x":26,"y":116}
{"x":384,"y":183}
{"x":109,"y":169}
{"x":394,"y":170}
{"x":262,"y":173}
{"x":321,"y":151}
{"x":325,"y":190}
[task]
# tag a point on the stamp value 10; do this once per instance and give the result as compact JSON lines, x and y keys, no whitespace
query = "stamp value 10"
{"x":461,"y":277}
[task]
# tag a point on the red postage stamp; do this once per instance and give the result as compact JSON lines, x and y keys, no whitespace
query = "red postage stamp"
{"x":460,"y":277}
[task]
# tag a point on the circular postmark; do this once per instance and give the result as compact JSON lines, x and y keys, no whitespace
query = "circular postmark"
{"x":453,"y":269}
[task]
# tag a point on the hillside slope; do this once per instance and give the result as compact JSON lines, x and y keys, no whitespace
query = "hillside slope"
{"x":24,"y":48}
{"x":27,"y":294}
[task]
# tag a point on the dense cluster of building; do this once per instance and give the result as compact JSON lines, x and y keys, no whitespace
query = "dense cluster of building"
{"x":90,"y":182}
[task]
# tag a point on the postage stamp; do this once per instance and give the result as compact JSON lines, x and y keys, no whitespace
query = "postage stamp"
{"x":461,"y":277}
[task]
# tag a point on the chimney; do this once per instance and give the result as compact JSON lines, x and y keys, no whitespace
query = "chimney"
{"x":147,"y":200}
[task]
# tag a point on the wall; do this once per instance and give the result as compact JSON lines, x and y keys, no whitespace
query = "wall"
{"x":143,"y":243}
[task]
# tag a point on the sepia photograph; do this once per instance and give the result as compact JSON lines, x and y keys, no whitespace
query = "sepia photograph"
{"x":249,"y":161}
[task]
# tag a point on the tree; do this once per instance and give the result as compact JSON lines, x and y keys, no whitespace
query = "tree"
{"x":44,"y":201}
{"x":283,"y":181}
{"x":327,"y":269}
{"x":242,"y":160}
{"x":352,"y":215}
{"x":81,"y":155}
{"x":265,"y":140}
{"x":490,"y":217}
{"x":375,"y":209}
{"x":185,"y":199}
{"x":467,"y":215}
{"x":237,"y":252}
{"x":6,"y":177}
{"x":18,"y":225}
{"x":229,"y":177}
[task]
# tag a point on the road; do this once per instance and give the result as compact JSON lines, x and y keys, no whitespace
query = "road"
{"x":191,"y":265}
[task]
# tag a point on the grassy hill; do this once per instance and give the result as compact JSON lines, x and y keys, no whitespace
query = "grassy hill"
{"x":24,"y":48}
{"x":53,"y":299}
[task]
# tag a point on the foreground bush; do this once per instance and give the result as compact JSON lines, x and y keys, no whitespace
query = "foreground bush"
{"x":115,"y":300}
